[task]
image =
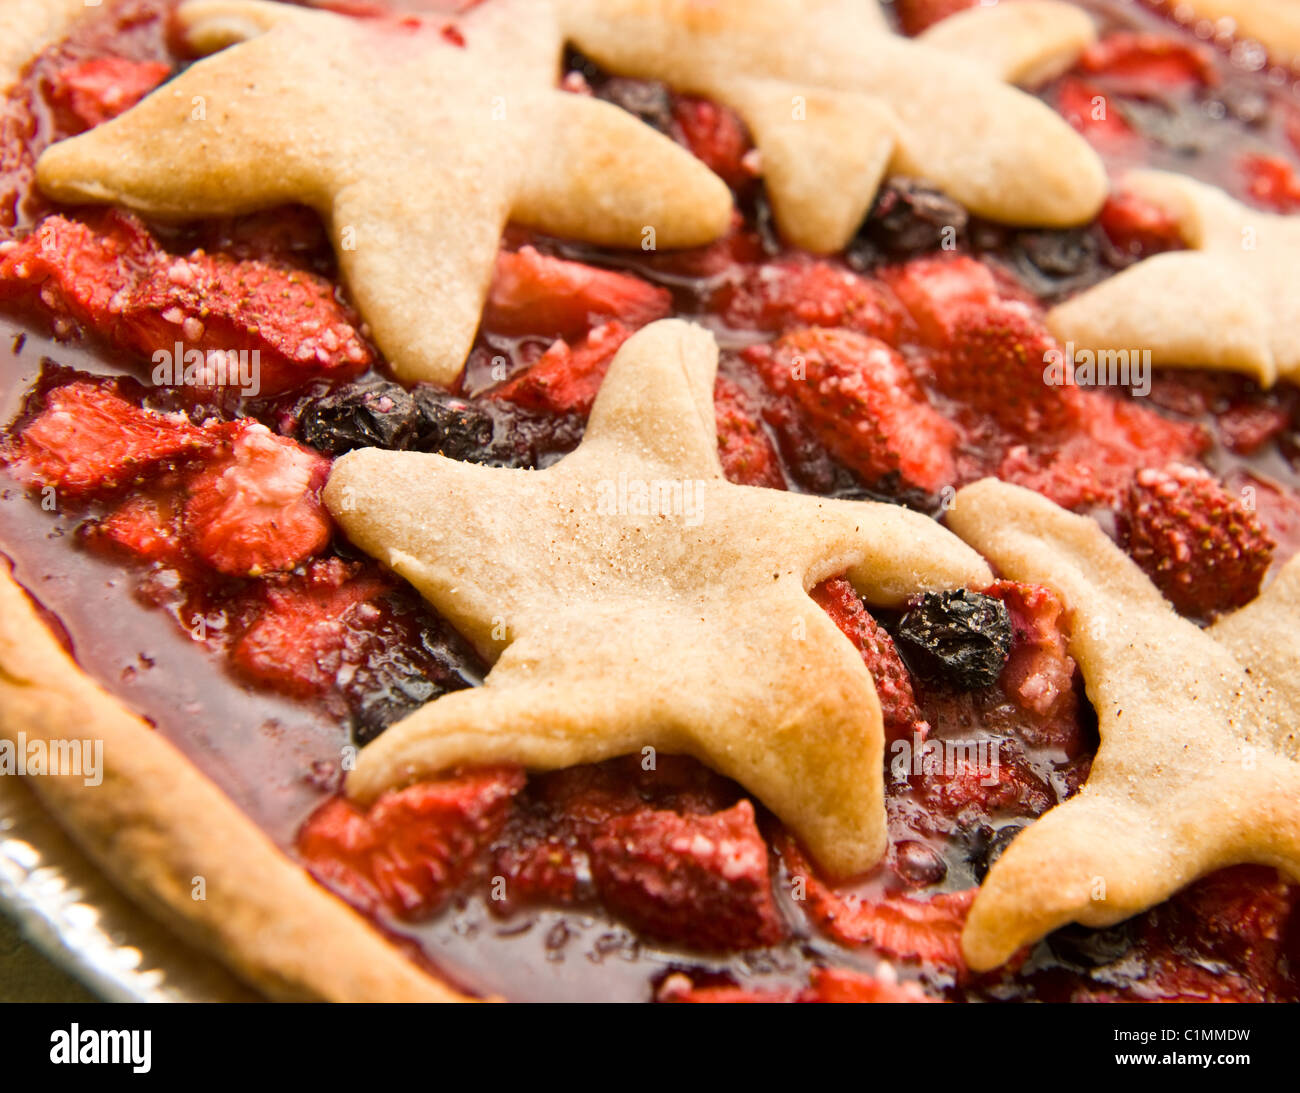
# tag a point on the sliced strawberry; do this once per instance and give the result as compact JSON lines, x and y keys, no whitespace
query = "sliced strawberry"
{"x":1272,"y":181}
{"x":99,"y":88}
{"x":1246,"y":427}
{"x":533,"y":293}
{"x":857,"y":395}
{"x":701,"y":881}
{"x":292,"y":319}
{"x":546,"y":868}
{"x":146,"y":526}
{"x":298,"y":631}
{"x":714,"y":134}
{"x":893,"y":683}
{"x":121,"y":284}
{"x":1200,"y":544}
{"x":932,"y":288}
{"x":565,"y":379}
{"x":843,"y":985}
{"x":747,"y":454}
{"x":87,"y":439}
{"x":78,"y":271}
{"x":996,"y":360}
{"x":739,"y":248}
{"x":974,"y":788}
{"x":1148,"y":64}
{"x":1096,"y":115}
{"x":917,"y":15}
{"x":1039,"y":673}
{"x":413,"y":847}
{"x":256,"y":508}
{"x":899,"y":927}
{"x":802,"y":291}
{"x":1137,"y":227}
{"x":1095,"y":464}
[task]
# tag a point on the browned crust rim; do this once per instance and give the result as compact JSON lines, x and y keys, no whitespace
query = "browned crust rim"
{"x":156,"y":823}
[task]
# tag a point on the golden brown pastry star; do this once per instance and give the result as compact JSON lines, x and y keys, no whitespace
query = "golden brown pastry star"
{"x":631,"y":597}
{"x":1228,"y":302}
{"x":414,"y":148}
{"x":1199,"y":764}
{"x":834,"y":100}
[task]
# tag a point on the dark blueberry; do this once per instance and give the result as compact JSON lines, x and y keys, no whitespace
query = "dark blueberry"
{"x":402,"y":662}
{"x":492,"y":432}
{"x":990,"y":849}
{"x":908,"y":218}
{"x":645,"y":99}
{"x":360,"y":415}
{"x":890,"y":489}
{"x":1085,"y":948}
{"x":1059,"y":254}
{"x":454,"y":427}
{"x":959,"y":637}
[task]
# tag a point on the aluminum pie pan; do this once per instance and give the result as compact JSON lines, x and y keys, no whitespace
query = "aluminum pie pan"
{"x":67,"y":908}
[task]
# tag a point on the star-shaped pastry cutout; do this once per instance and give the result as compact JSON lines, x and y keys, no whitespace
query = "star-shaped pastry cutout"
{"x":415,"y":139}
{"x":1228,"y":302}
{"x":630,"y":597}
{"x":1199,"y":763}
{"x":834,"y":100}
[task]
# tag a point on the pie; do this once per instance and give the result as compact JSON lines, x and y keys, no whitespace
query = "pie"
{"x":663,"y":500}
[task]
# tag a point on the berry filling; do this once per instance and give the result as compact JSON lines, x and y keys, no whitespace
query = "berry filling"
{"x":177,"y":393}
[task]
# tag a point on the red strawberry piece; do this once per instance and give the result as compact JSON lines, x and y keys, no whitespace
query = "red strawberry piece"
{"x":1095,"y":114}
{"x":801,"y":291}
{"x":549,"y":869}
{"x":1096,"y":463}
{"x":1200,"y":545}
{"x":729,"y":256}
{"x":1241,"y":915}
{"x":898,"y":927}
{"x":715,"y":135}
{"x":843,"y":985}
{"x":78,"y":271}
{"x":996,"y":362}
{"x":87,"y":439}
{"x":99,"y":88}
{"x":146,"y":526}
{"x":413,"y":847}
{"x":256,"y":508}
{"x":932,"y":288}
{"x":298,"y":631}
{"x":533,"y":293}
{"x":1148,"y":64}
{"x":565,"y":379}
{"x":747,"y":454}
{"x":292,"y":319}
{"x":893,"y":684}
{"x":1137,"y":227}
{"x":857,"y":396}
{"x":973,"y":788}
{"x":917,"y":15}
{"x":1272,"y":182}
{"x":1277,"y":508}
{"x":121,"y":284}
{"x":1039,"y":673}
{"x":1246,"y":427}
{"x":701,"y":881}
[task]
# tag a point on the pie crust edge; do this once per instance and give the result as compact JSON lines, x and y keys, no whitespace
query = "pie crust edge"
{"x":263,"y":916}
